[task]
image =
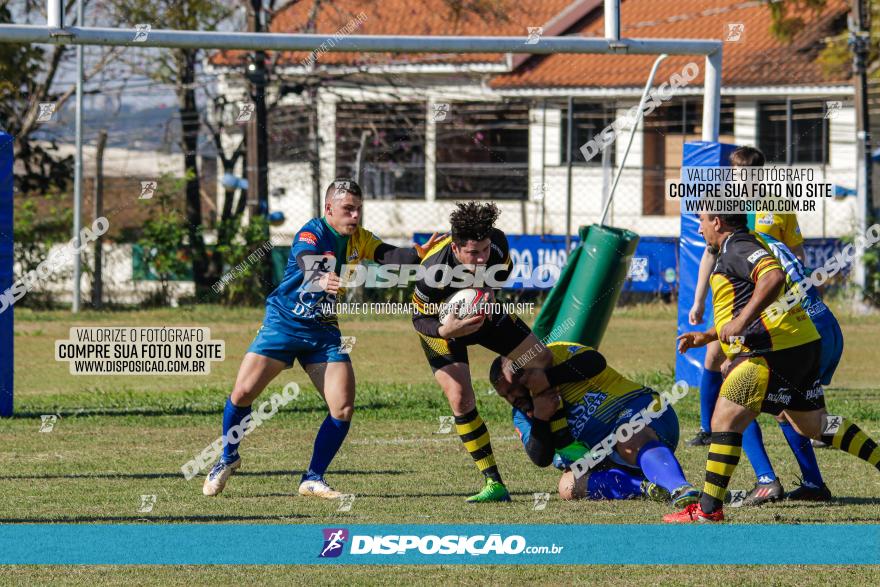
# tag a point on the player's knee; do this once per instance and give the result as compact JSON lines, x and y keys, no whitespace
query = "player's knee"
{"x":344,"y":413}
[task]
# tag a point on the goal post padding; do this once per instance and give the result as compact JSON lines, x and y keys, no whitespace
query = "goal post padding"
{"x":580,"y":305}
{"x":691,"y":245}
{"x":6,"y":262}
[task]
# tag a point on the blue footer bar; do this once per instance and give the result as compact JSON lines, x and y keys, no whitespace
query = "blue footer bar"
{"x":439,"y":544}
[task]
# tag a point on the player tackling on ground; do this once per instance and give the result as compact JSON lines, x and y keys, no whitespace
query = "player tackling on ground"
{"x":773,"y":361}
{"x":588,"y":400}
{"x":301,"y":324}
{"x":474,"y":242}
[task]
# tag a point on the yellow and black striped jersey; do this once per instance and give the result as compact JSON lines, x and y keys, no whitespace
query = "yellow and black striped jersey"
{"x":742,"y":261}
{"x":587,"y":384}
{"x":439,"y":282}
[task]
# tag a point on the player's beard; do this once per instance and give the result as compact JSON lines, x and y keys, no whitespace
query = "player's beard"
{"x":713,"y":249}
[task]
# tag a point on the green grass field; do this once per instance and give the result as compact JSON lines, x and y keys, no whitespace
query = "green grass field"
{"x":119,"y":437}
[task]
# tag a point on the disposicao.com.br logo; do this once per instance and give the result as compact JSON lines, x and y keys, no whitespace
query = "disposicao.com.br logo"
{"x":476,"y":545}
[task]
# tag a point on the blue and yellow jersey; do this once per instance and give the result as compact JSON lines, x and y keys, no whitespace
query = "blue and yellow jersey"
{"x":742,"y":261}
{"x":315,"y":244}
{"x":596,"y":400}
{"x":796,"y":277}
{"x":782,"y":227}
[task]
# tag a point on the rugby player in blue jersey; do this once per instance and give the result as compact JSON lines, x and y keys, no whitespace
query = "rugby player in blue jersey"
{"x":301,"y":324}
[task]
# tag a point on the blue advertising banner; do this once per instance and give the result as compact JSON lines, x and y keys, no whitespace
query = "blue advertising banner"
{"x":652,"y":270}
{"x":340,"y":543}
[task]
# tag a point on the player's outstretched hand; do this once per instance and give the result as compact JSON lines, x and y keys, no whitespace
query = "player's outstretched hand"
{"x":692,"y":340}
{"x":456,"y":327}
{"x":695,"y":316}
{"x":422,"y":250}
{"x":329,"y":282}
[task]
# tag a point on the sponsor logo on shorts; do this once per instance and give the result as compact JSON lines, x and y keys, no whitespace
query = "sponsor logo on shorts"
{"x":779,"y":397}
{"x":816,"y":392}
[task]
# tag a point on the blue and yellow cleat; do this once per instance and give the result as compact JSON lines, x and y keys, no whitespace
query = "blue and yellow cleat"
{"x":685,"y":495}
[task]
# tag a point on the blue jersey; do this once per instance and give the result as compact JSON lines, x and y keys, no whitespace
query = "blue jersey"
{"x":796,"y":273}
{"x":327,"y":250}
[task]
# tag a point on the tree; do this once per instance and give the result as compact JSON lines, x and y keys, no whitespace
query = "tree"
{"x":27,"y":78}
{"x":179,"y":68}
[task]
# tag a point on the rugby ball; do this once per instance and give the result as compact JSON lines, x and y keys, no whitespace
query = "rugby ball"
{"x":466,"y":303}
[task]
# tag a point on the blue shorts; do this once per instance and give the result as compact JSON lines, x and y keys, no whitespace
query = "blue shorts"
{"x":318,"y":343}
{"x":832,"y":347}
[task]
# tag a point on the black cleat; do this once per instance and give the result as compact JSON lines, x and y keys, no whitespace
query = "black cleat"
{"x":810,"y":493}
{"x":819,"y":444}
{"x":764,"y":492}
{"x":702,"y":438}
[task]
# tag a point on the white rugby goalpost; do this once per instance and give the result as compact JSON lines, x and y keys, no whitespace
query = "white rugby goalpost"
{"x":56,"y":33}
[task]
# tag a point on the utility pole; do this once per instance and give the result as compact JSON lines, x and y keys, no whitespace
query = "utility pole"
{"x":98,"y":279}
{"x":860,"y":40}
{"x":257,"y":134}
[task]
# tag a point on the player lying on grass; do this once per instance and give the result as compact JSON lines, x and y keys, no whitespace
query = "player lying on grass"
{"x":782,"y":228}
{"x":301,"y":324}
{"x":474,"y":242}
{"x":773,"y":361}
{"x":587,"y":400}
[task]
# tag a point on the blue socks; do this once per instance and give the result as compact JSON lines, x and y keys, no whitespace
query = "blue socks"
{"x":710,"y":387}
{"x":232,"y":416}
{"x":660,"y":466}
{"x":613,"y":484}
{"x":330,"y":436}
{"x":805,"y":455}
{"x":753,"y":446}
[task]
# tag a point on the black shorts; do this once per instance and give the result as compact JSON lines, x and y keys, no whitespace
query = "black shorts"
{"x":777,"y":381}
{"x":500,"y":333}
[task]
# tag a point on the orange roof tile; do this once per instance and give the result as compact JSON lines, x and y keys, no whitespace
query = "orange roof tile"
{"x":757,"y":59}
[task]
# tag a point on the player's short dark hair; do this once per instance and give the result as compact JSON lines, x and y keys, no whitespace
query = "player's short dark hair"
{"x":345,"y":185}
{"x":473,"y":221}
{"x":495,"y":370}
{"x":747,"y":157}
{"x":733,"y":220}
